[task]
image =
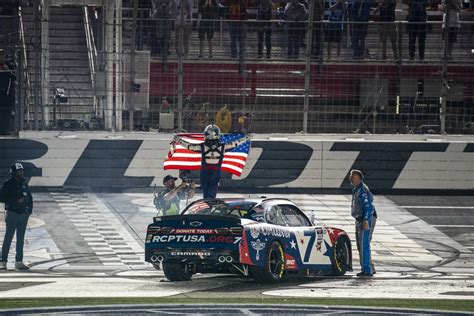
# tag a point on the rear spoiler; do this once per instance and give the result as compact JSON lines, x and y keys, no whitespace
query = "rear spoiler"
{"x":203,"y":218}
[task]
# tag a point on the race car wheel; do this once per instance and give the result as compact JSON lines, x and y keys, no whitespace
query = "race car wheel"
{"x":176,"y":272}
{"x":273,"y":270}
{"x":341,"y":257}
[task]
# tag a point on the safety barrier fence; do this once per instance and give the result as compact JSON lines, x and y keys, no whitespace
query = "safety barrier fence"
{"x":263,"y":76}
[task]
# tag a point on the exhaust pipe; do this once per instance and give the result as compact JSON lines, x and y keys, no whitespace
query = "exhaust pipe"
{"x":221,"y":259}
{"x":161,"y":258}
{"x":229,"y":259}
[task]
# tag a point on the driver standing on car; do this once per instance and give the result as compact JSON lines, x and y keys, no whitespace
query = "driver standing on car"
{"x":365,"y":215}
{"x":168,"y":200}
{"x":212,"y":154}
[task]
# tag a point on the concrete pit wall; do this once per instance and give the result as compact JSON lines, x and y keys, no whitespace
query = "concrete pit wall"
{"x":104,"y":161}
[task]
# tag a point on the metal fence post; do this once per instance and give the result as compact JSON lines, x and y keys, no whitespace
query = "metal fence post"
{"x":307,"y":72}
{"x":445,"y":84}
{"x":19,"y":88}
{"x":131,"y":104}
{"x":37,"y":50}
{"x":180,"y":66}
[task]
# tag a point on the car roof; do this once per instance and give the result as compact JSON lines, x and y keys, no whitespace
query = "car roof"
{"x":256,"y":201}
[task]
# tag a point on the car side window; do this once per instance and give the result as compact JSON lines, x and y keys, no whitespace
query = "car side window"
{"x":274,"y":216}
{"x":294,"y":216}
{"x":256,"y":214}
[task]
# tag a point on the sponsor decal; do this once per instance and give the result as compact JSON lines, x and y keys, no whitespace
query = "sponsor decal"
{"x":274,"y":231}
{"x":193,"y":231}
{"x":319,"y":238}
{"x":191,"y":253}
{"x":197,"y":239}
{"x":221,"y":239}
{"x":258,"y":245}
{"x":255,"y":232}
{"x":179,"y":238}
{"x":290,"y":262}
{"x":148,"y":238}
{"x":195,"y":223}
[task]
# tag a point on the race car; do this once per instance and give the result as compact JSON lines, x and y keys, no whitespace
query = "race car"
{"x":266,"y":239}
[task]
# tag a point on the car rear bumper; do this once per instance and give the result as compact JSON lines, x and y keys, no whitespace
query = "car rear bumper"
{"x":197,"y":256}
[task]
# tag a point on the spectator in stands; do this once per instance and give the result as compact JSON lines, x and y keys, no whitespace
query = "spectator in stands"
{"x":453,"y":7}
{"x":416,"y":27}
{"x":237,"y":13}
{"x":318,"y":8}
{"x":387,"y":27}
{"x":303,"y":36}
{"x":295,"y":14}
{"x":335,"y":26}
{"x":185,"y":27}
{"x":161,"y":14}
{"x":208,"y":11}
{"x":359,"y":15}
{"x":264,"y":27}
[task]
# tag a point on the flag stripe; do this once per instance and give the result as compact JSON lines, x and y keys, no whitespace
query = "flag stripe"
{"x":239,"y":161}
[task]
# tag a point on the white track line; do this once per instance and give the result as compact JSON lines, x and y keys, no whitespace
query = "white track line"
{"x":440,"y":207}
{"x":454,"y":226}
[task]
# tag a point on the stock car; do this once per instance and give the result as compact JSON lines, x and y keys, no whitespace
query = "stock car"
{"x":266,"y":239}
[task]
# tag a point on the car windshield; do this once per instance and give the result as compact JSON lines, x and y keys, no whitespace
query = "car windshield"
{"x":238,"y":209}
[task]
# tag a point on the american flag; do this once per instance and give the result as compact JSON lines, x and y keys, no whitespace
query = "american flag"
{"x":181,"y":158}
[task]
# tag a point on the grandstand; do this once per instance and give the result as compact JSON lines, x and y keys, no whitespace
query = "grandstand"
{"x":102,"y":63}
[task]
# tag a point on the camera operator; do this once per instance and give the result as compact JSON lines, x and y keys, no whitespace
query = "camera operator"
{"x":168,"y":200}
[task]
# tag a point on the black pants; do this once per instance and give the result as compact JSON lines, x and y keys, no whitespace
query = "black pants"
{"x":359,"y":33}
{"x":265,"y":32}
{"x":296,"y":32}
{"x":416,"y":31}
{"x":316,"y":45}
{"x":412,"y":36}
{"x":15,"y":222}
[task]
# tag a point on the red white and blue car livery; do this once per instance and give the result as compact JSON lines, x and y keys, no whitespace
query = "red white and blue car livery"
{"x":268,"y":239}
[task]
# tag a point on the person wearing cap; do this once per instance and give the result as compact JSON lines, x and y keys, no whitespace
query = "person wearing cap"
{"x":168,"y":199}
{"x":365,"y":216}
{"x":18,"y":205}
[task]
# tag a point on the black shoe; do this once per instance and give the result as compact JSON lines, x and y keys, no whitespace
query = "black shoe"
{"x":364,"y":274}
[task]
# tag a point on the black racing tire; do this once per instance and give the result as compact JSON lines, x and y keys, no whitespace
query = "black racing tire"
{"x":273,"y":270}
{"x":176,"y":272}
{"x":341,"y":258}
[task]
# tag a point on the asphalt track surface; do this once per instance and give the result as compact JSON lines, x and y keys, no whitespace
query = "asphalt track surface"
{"x":82,"y":244}
{"x":226,"y":309}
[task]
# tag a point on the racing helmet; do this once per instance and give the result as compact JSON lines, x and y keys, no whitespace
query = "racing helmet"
{"x":15,"y":167}
{"x":212,"y":132}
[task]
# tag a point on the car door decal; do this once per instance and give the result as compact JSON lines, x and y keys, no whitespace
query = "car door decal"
{"x":312,"y":236}
{"x":312,"y":247}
